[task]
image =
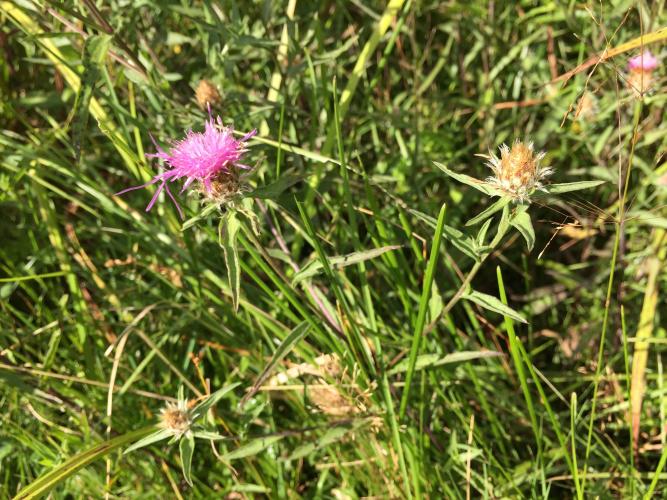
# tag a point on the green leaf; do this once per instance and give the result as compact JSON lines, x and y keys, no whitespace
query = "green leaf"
{"x":481,"y":235}
{"x":521,"y":221}
{"x":61,"y":472}
{"x":311,"y":155}
{"x":283,"y":350}
{"x":495,"y":207}
{"x":187,"y":449}
{"x":208,"y":210}
{"x":275,"y":189}
{"x":95,"y":49}
{"x":418,"y":328}
{"x":434,"y":360}
{"x":340,"y":261}
{"x":211,"y":436}
{"x":503,"y":227}
{"x":647,"y":218}
{"x":252,"y":448}
{"x":470,"y":181}
{"x":463,"y":243}
{"x":202,"y":408}
{"x":329,"y":437}
{"x":150,"y":439}
{"x":571,"y":186}
{"x":493,"y":304}
{"x":227,"y":234}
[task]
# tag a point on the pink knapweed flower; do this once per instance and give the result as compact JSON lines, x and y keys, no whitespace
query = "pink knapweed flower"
{"x":645,"y":62}
{"x":206,"y":157}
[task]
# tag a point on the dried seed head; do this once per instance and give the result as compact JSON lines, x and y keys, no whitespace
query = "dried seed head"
{"x":331,"y":401}
{"x":175,"y":418}
{"x":517,"y":172}
{"x":206,"y":94}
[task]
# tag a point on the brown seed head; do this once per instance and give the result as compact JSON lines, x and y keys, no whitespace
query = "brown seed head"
{"x":206,"y":94}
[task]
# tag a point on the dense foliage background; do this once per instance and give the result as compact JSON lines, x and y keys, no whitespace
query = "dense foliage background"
{"x":105,"y":310}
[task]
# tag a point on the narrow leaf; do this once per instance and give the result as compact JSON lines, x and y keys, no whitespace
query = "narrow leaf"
{"x":228,"y":232}
{"x":521,"y":221}
{"x":211,"y":436}
{"x":208,"y":210}
{"x":275,"y":189}
{"x":571,"y":186}
{"x":150,"y":439}
{"x":331,"y":436}
{"x":466,"y":179}
{"x":283,"y":350}
{"x":495,"y":207}
{"x":187,"y":448}
{"x":434,"y":360}
{"x":202,"y":408}
{"x":341,"y":261}
{"x":462,"y":242}
{"x":61,"y":472}
{"x":493,"y":304}
{"x":94,"y":52}
{"x":423,"y":308}
{"x":481,"y":235}
{"x":252,"y":448}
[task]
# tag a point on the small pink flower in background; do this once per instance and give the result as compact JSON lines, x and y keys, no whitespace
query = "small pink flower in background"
{"x":644,"y":62}
{"x":206,"y":157}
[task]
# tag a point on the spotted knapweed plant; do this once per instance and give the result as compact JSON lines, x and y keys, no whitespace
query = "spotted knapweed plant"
{"x":210,"y":162}
{"x":181,"y":424}
{"x":519,"y":177}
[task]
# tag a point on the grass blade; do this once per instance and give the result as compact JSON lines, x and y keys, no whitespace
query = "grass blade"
{"x":423,"y":307}
{"x":60,"y":473}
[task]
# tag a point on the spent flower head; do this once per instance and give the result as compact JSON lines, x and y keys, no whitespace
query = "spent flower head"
{"x":211,"y":158}
{"x":518,"y":172}
{"x":207,"y":94}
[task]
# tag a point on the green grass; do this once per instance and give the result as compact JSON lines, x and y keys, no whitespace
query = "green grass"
{"x":361,"y":354}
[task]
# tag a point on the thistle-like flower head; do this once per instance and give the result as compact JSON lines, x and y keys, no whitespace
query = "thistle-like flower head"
{"x":175,"y":417}
{"x":640,"y":78}
{"x":517,"y":173}
{"x":644,"y":62}
{"x":211,"y":158}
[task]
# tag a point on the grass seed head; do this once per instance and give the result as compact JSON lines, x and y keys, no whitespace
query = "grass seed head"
{"x":518,"y":172}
